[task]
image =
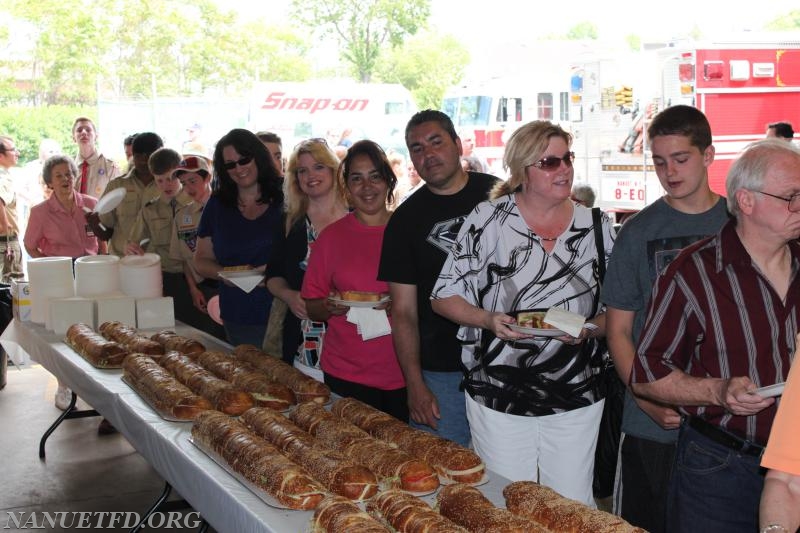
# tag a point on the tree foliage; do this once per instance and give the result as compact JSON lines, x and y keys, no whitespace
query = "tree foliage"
{"x":364,"y":28}
{"x":29,"y":125}
{"x":789,"y":21}
{"x":427,"y":64}
{"x":83,"y":50}
{"x":582,"y":30}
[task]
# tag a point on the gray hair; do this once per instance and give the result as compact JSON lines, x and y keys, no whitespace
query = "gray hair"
{"x":584,"y":193}
{"x":47,"y":169}
{"x":751,"y":168}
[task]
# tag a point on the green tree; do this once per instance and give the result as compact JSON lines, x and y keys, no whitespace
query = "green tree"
{"x":582,"y":30}
{"x":426,"y":64}
{"x":70,"y":43}
{"x":789,"y":21}
{"x":275,"y":53}
{"x":634,"y":42}
{"x":364,"y":27}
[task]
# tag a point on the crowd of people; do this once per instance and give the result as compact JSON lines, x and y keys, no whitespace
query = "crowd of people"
{"x":695,"y":299}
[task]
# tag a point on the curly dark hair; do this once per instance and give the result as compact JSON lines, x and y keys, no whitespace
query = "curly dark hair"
{"x":246,"y":144}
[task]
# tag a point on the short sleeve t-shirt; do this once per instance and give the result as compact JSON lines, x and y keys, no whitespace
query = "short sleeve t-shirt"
{"x":345,"y":257}
{"x":782,"y":452}
{"x":645,"y":246}
{"x":418,"y":238}
{"x":239,"y":241}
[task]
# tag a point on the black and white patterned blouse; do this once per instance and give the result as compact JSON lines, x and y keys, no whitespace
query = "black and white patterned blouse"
{"x":499,"y":264}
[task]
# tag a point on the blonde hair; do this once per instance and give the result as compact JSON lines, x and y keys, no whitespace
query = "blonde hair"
{"x":295,"y":200}
{"x":525,"y":147}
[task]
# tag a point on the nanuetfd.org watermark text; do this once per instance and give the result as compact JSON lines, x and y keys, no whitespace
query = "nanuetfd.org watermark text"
{"x":98,"y":520}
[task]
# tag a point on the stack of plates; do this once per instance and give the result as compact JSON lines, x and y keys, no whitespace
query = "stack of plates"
{"x":50,"y":277}
{"x":96,"y":275}
{"x":140,"y":275}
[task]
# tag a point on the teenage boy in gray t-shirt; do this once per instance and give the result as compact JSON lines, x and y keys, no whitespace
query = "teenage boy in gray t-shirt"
{"x":680,"y":141}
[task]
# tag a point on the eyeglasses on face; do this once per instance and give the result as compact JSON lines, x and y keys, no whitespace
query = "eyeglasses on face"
{"x":552,"y":162}
{"x":793,"y":202}
{"x":242,"y":161}
{"x":9,"y":150}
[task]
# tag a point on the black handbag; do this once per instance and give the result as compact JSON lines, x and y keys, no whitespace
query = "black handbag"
{"x":610,"y":387}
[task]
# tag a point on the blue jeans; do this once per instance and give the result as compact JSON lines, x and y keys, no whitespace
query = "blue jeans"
{"x":452,"y":406}
{"x":713,"y":488}
{"x":245,"y":334}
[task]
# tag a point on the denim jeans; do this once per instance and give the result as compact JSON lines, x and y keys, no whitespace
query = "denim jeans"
{"x":713,"y":488}
{"x":453,"y":424}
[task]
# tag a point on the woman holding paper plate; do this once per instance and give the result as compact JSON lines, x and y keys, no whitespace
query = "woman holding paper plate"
{"x":236,"y":234}
{"x":341,"y":287}
{"x":532,"y":404}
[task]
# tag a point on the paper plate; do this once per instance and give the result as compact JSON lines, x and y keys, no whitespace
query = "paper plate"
{"x":247,"y":280}
{"x":110,"y":201}
{"x":212,"y":306}
{"x":352,"y":303}
{"x":537,"y":332}
{"x":770,"y":390}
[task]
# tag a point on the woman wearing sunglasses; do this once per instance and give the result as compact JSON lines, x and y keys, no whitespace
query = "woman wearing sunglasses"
{"x":532,"y":404}
{"x":359,"y":363}
{"x":314,"y":199}
{"x":237,"y":230}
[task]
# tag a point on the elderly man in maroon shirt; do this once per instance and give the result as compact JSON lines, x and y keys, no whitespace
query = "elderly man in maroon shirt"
{"x":721,"y":324}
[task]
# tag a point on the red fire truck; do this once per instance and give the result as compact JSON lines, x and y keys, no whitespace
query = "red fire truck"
{"x":741,"y":86}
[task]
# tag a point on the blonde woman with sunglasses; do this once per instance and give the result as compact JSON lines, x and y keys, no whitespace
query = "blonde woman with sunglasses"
{"x":237,"y":230}
{"x":532,"y":404}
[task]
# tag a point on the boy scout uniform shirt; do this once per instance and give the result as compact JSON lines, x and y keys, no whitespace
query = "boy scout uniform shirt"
{"x":101,"y":170}
{"x":155,"y":223}
{"x":124,"y":216}
{"x":9,"y":198}
{"x":184,"y":236}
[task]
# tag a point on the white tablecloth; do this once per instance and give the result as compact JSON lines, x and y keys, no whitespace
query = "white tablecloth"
{"x":224,"y":502}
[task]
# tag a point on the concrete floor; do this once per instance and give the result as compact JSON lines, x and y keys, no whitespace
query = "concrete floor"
{"x":82,"y":472}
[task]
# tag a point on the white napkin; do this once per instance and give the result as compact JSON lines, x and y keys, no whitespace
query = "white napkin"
{"x":567,"y":321}
{"x":246,"y":280}
{"x":371,"y":323}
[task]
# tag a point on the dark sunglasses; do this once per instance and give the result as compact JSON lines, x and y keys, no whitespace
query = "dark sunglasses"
{"x":552,"y":162}
{"x":244,"y":160}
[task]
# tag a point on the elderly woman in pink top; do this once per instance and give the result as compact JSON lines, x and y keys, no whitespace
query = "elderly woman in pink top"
{"x":57,"y":226}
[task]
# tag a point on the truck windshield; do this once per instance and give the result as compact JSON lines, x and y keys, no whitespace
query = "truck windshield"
{"x":468,"y":110}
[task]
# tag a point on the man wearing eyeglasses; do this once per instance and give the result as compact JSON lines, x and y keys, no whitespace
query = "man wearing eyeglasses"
{"x":415,"y":247}
{"x":9,"y":229}
{"x":680,"y":143}
{"x":721,"y":324}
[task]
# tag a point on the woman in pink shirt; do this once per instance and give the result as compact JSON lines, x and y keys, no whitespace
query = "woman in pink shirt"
{"x":357,"y":362}
{"x":57,"y":226}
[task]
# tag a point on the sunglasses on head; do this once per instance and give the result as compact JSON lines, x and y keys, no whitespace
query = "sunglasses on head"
{"x":552,"y":162}
{"x":313,"y":140}
{"x":244,"y":160}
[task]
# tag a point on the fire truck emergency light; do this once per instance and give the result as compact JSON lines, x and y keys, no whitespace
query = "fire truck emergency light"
{"x":713,"y":70}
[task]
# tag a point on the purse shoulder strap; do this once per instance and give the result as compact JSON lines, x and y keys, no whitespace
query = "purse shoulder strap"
{"x":597,"y":224}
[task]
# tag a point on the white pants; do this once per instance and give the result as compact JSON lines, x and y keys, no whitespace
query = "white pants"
{"x":555,"y":450}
